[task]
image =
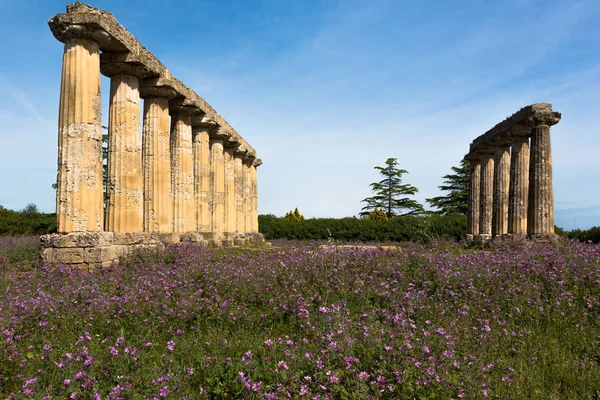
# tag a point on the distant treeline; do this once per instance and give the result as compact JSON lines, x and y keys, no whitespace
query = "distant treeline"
{"x":28,"y":221}
{"x":592,"y":234}
{"x":397,"y":229}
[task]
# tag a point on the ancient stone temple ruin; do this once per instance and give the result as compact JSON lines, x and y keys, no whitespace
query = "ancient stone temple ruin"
{"x":510,"y":186}
{"x":177,"y":171}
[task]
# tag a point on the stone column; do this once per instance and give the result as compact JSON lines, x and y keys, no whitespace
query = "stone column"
{"x":230,"y":212}
{"x":246,"y":166}
{"x":540,"y":222}
{"x":501,"y":183}
{"x":486,"y":197}
{"x":125,"y":195}
{"x":253,"y":177}
{"x":156,"y":158}
{"x":217,"y":172}
{"x":240,"y":187}
{"x":202,"y":172}
{"x":182,"y":168}
{"x":474,"y":199}
{"x":519,"y":186}
{"x":79,"y":194}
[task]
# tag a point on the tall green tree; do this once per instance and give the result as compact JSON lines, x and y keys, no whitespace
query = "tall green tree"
{"x":456,"y":184}
{"x":390,"y":194}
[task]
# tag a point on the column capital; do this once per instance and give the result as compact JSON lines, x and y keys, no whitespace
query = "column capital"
{"x":240,"y":152}
{"x":544,"y":118}
{"x":123,"y":62}
{"x":181,"y":105}
{"x":200,"y":121}
{"x":233,"y":142}
{"x":155,"y":87}
{"x":219,"y":134}
{"x":65,"y":33}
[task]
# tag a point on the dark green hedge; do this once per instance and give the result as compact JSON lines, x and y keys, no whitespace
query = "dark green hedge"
{"x":23,"y":223}
{"x":592,"y":234}
{"x":399,"y":229}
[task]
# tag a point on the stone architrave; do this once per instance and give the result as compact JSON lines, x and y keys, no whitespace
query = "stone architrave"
{"x":202,"y":172}
{"x":501,"y":187}
{"x":217,"y":172}
{"x":540,"y":221}
{"x":156,"y":158}
{"x":486,"y":197}
{"x":125,"y":184}
{"x":474,"y":198}
{"x":519,"y":185}
{"x":79,"y":194}
{"x":182,"y":168}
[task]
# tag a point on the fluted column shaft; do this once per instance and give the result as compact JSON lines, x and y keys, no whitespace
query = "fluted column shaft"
{"x":501,"y":186}
{"x":202,"y":179}
{"x":540,"y":220}
{"x":519,"y":186}
{"x":486,"y":197}
{"x":182,"y":174}
{"x":230,"y":211}
{"x":254,"y":188}
{"x":217,"y":172}
{"x":474,"y":199}
{"x":79,"y":195}
{"x":240,"y":219}
{"x":158,"y":199}
{"x":124,"y":211}
{"x":247,"y":194}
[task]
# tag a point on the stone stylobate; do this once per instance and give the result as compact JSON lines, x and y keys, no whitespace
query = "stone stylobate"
{"x":193,"y":180}
{"x":519,"y":190}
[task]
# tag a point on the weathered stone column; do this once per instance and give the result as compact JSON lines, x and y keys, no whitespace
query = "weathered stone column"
{"x":230,"y":211}
{"x":519,"y":185}
{"x":156,"y":158}
{"x":248,"y":160}
{"x":217,"y":172}
{"x":501,"y":184}
{"x":203,"y":184}
{"x":79,"y":194}
{"x":474,"y":199}
{"x":540,"y":222}
{"x":253,"y":177}
{"x":486,"y":197}
{"x":125,"y":195}
{"x":240,"y":187}
{"x":182,"y":167}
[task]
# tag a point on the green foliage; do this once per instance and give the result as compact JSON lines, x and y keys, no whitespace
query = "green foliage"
{"x":28,"y":221}
{"x":377,"y":215}
{"x":398,"y":229}
{"x":294,"y":216}
{"x":592,"y":234}
{"x":457,"y":186}
{"x":388,"y":193}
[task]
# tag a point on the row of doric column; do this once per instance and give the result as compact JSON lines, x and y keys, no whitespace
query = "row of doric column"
{"x":170,"y":169}
{"x":510,"y":182}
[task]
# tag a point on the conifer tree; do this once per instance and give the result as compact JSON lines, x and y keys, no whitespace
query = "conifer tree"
{"x":390,"y":193}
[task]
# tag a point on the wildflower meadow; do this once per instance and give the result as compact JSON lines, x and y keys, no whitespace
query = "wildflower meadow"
{"x":519,"y":320}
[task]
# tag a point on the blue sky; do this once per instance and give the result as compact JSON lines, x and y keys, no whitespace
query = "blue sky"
{"x":325,"y":90}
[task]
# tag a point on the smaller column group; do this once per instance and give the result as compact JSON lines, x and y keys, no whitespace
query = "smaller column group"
{"x":510,"y":177}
